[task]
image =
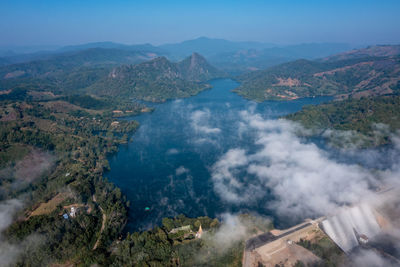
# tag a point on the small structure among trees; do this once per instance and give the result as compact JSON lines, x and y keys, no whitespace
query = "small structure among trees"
{"x":73,"y":212}
{"x":199,"y":232}
{"x":182,"y":228}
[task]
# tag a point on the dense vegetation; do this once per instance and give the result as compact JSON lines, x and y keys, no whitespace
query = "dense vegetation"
{"x":175,"y":243}
{"x":61,"y":135}
{"x":158,"y":79}
{"x":86,"y":101}
{"x":94,"y":72}
{"x":50,"y":156}
{"x":69,"y":72}
{"x":375,"y":118}
{"x":326,"y":250}
{"x":347,"y":77}
{"x":73,"y":81}
{"x":58,"y":123}
{"x":53,"y":65}
{"x":162,"y":246}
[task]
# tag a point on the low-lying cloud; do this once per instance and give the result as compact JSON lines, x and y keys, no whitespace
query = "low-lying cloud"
{"x":200,"y":122}
{"x":234,"y":229}
{"x":17,"y":176}
{"x":8,"y":209}
{"x":181,"y":170}
{"x":223,"y":238}
{"x":172,"y":151}
{"x":303,"y":178}
{"x":21,"y":173}
{"x":371,"y":258}
{"x":8,"y":252}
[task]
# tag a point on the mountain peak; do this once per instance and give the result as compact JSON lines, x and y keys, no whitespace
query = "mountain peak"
{"x":197,"y":59}
{"x":197,"y":55}
{"x":159,"y":78}
{"x":196,"y":68}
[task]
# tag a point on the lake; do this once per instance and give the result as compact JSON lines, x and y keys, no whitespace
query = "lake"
{"x":166,"y":169}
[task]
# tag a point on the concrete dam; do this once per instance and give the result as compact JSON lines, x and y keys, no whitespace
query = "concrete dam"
{"x":346,"y":227}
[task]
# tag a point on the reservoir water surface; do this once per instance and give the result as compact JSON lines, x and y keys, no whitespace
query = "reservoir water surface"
{"x":166,"y":169}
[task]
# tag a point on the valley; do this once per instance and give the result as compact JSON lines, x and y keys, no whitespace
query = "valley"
{"x":142,"y":140}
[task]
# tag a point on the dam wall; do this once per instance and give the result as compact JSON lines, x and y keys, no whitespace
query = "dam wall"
{"x":343,"y":227}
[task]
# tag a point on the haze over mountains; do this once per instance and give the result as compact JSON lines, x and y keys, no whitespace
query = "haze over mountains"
{"x":200,"y":133}
{"x":69,"y":101}
{"x":234,"y":57}
{"x":266,"y":71}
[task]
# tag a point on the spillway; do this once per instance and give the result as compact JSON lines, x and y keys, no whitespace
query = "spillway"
{"x":342,"y":227}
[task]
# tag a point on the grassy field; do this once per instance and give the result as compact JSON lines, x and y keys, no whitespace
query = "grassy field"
{"x":49,"y":206}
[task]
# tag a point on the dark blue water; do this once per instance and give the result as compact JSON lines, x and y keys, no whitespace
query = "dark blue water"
{"x":167,"y":165}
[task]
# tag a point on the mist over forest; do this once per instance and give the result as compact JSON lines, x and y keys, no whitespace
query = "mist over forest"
{"x":220,"y":133}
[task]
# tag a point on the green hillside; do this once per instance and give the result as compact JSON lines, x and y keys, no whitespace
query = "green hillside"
{"x":374,"y":117}
{"x":353,"y":77}
{"x":69,"y":61}
{"x":158,"y":79}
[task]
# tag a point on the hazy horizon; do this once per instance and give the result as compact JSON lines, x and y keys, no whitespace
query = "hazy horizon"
{"x":55,"y":46}
{"x":31,"y":23}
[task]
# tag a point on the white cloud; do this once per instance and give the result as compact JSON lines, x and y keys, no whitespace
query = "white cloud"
{"x":233,"y":230}
{"x":181,"y":170}
{"x":304,"y":179}
{"x":7,"y":210}
{"x":200,"y":122}
{"x":370,"y":258}
{"x":172,"y":151}
{"x":202,"y":141}
{"x":25,"y":171}
{"x":8,"y":252}
{"x":223,"y":238}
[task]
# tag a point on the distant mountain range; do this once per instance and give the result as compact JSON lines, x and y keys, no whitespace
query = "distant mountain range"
{"x":15,"y":58}
{"x":67,"y":61}
{"x":109,"y":45}
{"x":234,"y":57}
{"x":363,"y":72}
{"x":209,"y":47}
{"x":111,"y":69}
{"x":370,"y":51}
{"x":158,"y":79}
{"x":246,"y":60}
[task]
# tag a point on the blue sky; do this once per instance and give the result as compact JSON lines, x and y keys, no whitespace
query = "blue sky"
{"x":61,"y":22}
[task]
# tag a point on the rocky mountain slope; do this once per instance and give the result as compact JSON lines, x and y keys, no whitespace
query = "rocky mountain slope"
{"x":158,"y":79}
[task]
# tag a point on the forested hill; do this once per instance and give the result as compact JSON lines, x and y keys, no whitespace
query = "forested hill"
{"x":52,"y":65}
{"x":111,"y":72}
{"x":373,"y":119}
{"x":158,"y":79}
{"x":68,"y":72}
{"x":370,"y":51}
{"x":370,"y":72}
